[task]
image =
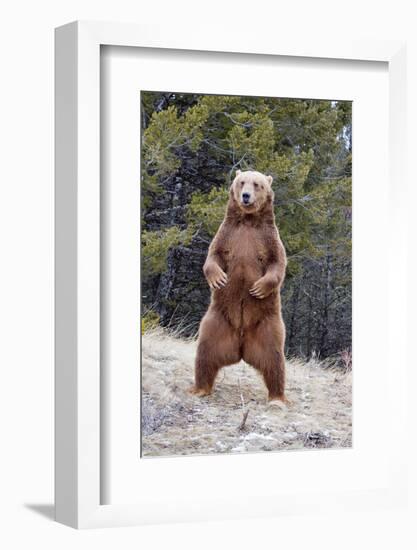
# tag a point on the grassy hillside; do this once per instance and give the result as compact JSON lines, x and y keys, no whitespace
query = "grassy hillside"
{"x":237,"y":417}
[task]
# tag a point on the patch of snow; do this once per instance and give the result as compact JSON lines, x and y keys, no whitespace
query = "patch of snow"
{"x":239,"y":449}
{"x":253,"y":435}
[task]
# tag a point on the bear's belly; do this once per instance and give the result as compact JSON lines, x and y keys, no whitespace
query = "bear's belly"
{"x":242,"y":275}
{"x":241,"y":309}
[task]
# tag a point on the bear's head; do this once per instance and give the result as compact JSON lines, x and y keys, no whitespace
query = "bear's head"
{"x":251,"y":190}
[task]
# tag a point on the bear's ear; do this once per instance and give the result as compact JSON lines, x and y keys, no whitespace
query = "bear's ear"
{"x":238,"y":172}
{"x":270,"y":179}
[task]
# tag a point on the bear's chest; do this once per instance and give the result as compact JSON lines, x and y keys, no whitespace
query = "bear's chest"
{"x":246,"y":247}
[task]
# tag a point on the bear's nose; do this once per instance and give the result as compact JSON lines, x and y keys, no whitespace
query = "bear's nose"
{"x":245,"y":197}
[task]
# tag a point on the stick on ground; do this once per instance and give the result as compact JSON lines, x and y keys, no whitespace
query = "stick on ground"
{"x":245,"y":416}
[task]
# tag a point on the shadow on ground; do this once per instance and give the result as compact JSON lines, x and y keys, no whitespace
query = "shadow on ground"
{"x":45,"y":510}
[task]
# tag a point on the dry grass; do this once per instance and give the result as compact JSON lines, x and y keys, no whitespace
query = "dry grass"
{"x":177,"y":423}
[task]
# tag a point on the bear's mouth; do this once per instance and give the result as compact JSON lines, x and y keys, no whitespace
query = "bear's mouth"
{"x":249,"y":207}
{"x":247,"y":203}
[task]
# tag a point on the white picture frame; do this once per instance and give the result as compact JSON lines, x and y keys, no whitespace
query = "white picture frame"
{"x":77,"y":424}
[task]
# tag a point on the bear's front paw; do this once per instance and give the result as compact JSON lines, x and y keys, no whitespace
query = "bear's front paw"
{"x":216,"y":277}
{"x":261,"y":289}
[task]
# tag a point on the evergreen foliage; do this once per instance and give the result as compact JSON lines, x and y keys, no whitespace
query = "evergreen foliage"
{"x":191,"y":147}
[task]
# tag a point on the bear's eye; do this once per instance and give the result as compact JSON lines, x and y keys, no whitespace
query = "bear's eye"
{"x":242,"y":183}
{"x":256,"y":185}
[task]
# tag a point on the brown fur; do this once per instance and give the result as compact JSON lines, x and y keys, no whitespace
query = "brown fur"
{"x":245,"y":268}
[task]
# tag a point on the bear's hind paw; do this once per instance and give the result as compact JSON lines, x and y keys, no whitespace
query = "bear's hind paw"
{"x":199,"y":392}
{"x":281,"y":400}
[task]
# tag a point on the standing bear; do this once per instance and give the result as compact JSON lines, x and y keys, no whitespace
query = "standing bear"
{"x":245,"y":268}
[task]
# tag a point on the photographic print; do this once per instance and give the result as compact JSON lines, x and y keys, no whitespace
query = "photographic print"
{"x":246,"y":274}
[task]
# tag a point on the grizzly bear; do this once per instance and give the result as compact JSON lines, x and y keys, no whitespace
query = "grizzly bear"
{"x":245,"y":268}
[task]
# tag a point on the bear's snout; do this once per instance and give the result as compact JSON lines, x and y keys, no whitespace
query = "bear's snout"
{"x":245,"y":198}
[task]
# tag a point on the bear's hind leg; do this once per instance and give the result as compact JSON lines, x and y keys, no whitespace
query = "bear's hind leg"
{"x":264,"y":349}
{"x":218,"y":346}
{"x":273,"y":373}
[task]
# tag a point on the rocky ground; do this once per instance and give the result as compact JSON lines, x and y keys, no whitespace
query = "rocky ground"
{"x":237,"y":417}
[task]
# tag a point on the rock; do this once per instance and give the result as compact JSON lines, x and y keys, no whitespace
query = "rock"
{"x":317,"y":440}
